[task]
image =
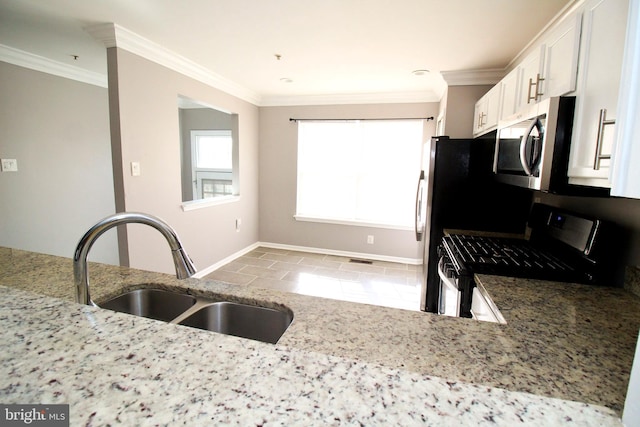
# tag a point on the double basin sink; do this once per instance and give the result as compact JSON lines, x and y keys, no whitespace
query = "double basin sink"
{"x":226,"y":317}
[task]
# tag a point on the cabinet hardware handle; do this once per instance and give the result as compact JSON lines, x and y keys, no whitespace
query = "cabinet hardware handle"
{"x":537,"y":92}
{"x":481,"y":117}
{"x":529,"y":97}
{"x":602,"y":122}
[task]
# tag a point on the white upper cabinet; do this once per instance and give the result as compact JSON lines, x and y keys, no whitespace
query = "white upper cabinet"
{"x":625,"y":176}
{"x":561,"y":49}
{"x":531,"y":78}
{"x":550,"y":69}
{"x":509,"y":94}
{"x":601,"y":52}
{"x":486,"y":112}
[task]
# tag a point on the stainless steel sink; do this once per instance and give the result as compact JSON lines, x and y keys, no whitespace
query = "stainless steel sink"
{"x":230,"y":318}
{"x":152,"y":303}
{"x":242,"y":320}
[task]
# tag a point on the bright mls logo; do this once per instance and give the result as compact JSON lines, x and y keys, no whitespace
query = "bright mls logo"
{"x":34,"y":415}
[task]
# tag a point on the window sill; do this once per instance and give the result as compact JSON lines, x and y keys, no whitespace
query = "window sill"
{"x":352,"y":222}
{"x":205,"y":203}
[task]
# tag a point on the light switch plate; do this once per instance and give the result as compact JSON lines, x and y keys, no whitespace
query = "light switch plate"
{"x":135,"y":168}
{"x":9,"y":165}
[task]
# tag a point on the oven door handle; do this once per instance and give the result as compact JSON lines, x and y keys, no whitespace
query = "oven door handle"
{"x":446,"y":280}
{"x":449,"y":283}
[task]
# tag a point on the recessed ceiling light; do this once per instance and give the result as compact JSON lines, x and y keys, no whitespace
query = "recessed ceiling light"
{"x":286,"y":80}
{"x":420,"y":72}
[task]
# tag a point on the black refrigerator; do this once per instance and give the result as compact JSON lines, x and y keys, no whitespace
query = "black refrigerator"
{"x":457,"y":190}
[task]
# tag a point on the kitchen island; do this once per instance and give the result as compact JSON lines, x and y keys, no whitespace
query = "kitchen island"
{"x":563,"y":357}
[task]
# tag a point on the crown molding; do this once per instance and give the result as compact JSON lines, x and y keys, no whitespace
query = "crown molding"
{"x":473,"y":77}
{"x":40,"y":63}
{"x":353,"y":98}
{"x":113,"y":35}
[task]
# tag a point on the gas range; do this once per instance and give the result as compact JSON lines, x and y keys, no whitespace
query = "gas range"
{"x":508,"y":257}
{"x":563,"y":247}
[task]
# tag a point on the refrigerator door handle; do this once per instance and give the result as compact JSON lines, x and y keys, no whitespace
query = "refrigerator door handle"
{"x":419,"y":223}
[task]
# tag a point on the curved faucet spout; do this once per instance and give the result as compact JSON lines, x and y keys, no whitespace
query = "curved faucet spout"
{"x":184,"y":266}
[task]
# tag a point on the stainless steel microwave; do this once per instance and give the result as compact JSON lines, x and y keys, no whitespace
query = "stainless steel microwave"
{"x":532,"y":147}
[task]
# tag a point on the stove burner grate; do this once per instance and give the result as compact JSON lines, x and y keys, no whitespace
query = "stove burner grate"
{"x":507,"y":256}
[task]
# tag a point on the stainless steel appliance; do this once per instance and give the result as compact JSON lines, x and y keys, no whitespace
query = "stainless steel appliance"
{"x":457,"y":190}
{"x":563,"y":246}
{"x":532,"y":149}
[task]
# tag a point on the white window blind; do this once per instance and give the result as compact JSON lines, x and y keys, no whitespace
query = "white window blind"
{"x":361,"y":172}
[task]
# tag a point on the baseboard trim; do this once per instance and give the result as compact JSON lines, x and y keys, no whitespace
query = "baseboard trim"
{"x":361,"y":255}
{"x":208,"y":270}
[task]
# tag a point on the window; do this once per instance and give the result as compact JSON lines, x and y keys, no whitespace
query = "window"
{"x":213,"y":163}
{"x":359,"y":172}
{"x":209,"y":155}
{"x":216,"y":187}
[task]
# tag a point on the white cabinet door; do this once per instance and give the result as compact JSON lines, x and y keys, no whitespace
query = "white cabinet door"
{"x":487,"y":112}
{"x":600,"y":65}
{"x":561,"y":58}
{"x":509,"y":92}
{"x":493,"y":107}
{"x":530,"y":75}
{"x":625,"y":176}
{"x":478,"y":116}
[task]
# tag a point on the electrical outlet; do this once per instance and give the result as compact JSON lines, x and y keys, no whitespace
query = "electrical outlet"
{"x":370,"y":239}
{"x":9,"y":165}
{"x":238,"y":224}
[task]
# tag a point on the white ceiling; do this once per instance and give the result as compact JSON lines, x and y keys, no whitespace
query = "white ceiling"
{"x":328,"y":48}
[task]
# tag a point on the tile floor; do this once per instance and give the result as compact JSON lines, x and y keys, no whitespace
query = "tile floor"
{"x":328,"y":276}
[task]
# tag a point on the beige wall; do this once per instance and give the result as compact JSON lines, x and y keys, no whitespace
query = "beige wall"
{"x":145,"y":128}
{"x":459,"y":109}
{"x":278,"y":157}
{"x":58,"y":130}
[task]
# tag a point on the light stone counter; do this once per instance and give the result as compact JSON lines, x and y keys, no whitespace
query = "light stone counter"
{"x":338,"y":363}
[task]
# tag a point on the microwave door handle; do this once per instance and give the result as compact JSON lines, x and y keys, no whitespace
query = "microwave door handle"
{"x":418,"y":211}
{"x":537,"y":148}
{"x":523,"y":148}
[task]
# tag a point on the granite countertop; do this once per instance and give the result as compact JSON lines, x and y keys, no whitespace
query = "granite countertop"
{"x":337,"y":363}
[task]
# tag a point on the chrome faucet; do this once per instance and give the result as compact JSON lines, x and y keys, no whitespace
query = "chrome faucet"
{"x":184,"y":266}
